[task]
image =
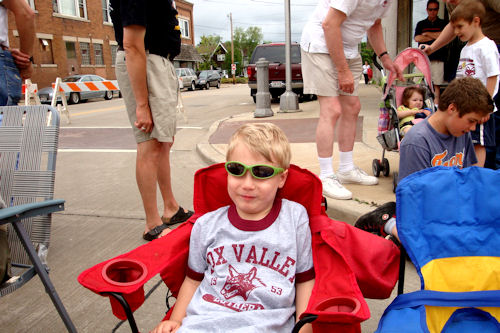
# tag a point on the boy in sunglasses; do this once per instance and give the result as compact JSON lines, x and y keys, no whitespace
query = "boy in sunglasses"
{"x":250,"y":265}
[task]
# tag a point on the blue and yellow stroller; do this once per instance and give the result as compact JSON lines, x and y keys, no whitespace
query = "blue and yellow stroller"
{"x":448,"y":222}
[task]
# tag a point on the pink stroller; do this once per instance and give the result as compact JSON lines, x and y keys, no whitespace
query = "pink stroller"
{"x":388,"y":124}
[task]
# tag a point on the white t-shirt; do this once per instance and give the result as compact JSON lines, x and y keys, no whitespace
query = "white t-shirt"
{"x":365,"y":69}
{"x":480,"y":60}
{"x":361,"y":14}
{"x":4,"y":26}
{"x":248,"y":269}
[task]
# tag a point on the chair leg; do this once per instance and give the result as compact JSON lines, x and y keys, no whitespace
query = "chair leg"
{"x":402,"y":268}
{"x":44,"y":276}
{"x":130,"y":316}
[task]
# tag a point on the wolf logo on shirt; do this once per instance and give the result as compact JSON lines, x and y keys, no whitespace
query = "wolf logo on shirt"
{"x":240,"y":284}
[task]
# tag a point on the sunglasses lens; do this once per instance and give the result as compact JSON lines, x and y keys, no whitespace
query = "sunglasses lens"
{"x":262,"y":171}
{"x":236,"y":169}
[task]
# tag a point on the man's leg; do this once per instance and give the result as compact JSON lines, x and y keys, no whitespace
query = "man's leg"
{"x":329,"y":113}
{"x":170,"y":205}
{"x":148,"y":158}
{"x":348,"y":172}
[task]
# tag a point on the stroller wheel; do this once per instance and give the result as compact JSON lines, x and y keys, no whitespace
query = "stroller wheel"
{"x":395,"y":177}
{"x":386,"y":167}
{"x":376,"y":167}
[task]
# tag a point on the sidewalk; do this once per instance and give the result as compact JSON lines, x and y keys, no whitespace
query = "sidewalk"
{"x":300,"y":128}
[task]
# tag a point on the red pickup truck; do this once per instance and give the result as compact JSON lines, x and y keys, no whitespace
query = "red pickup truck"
{"x":275,"y":54}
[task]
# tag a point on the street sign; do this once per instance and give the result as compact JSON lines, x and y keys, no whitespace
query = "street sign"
{"x":233,"y":67}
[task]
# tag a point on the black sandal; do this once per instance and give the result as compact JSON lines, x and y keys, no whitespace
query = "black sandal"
{"x":154,"y":233}
{"x":179,"y":217}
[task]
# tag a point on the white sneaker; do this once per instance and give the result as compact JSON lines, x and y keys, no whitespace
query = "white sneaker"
{"x":333,"y":189}
{"x":356,"y":176}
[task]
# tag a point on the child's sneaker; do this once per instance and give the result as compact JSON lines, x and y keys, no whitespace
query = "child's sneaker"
{"x":356,"y":176}
{"x":333,"y":189}
{"x":375,"y":220}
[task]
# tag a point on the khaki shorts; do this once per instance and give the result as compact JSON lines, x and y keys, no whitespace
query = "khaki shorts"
{"x":437,"y":72}
{"x":320,"y":75}
{"x":163,"y":88}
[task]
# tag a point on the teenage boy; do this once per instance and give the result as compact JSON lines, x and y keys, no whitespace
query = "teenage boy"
{"x":478,"y":58}
{"x":442,"y":139}
{"x":238,"y":292}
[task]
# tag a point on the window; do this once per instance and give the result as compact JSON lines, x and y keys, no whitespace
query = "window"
{"x":46,"y":56}
{"x":105,"y":11}
{"x":70,"y":50}
{"x":85,"y":52}
{"x":114,"y":49}
{"x":184,"y":25}
{"x":98,"y":59}
{"x":76,"y":8}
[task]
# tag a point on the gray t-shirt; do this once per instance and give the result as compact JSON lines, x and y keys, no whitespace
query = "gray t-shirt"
{"x":248,"y":269}
{"x":423,"y":147}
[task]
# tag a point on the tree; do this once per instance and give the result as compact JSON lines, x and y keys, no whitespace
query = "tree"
{"x":366,"y":52}
{"x":205,"y":48}
{"x":245,"y":42}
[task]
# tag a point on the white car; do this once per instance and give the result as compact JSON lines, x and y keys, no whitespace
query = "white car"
{"x":187,"y":78}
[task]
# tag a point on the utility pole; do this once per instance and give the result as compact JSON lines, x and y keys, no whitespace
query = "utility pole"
{"x":233,"y":69}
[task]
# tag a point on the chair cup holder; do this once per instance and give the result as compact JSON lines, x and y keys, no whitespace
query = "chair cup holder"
{"x":125,"y":272}
{"x":339,"y":305}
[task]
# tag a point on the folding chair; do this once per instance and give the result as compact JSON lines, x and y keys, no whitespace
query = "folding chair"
{"x":350,"y":264}
{"x":448,"y":222}
{"x":28,"y":146}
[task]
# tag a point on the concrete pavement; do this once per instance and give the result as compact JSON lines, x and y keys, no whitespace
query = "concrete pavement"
{"x":300,"y":128}
{"x":104,"y":216}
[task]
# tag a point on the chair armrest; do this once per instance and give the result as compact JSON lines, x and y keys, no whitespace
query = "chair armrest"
{"x":11,"y":214}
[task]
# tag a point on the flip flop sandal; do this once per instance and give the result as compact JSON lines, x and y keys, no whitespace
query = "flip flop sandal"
{"x":154,"y":233}
{"x":180,"y":216}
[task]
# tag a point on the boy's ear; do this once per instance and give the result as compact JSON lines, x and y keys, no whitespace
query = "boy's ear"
{"x":476,"y":20}
{"x":283,"y":176}
{"x":451,"y":108}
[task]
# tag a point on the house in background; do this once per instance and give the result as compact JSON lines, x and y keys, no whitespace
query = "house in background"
{"x":77,"y":37}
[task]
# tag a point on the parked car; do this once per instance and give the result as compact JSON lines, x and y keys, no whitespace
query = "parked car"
{"x":275,"y":54}
{"x":188,"y":78}
{"x":45,"y":94}
{"x":208,"y":78}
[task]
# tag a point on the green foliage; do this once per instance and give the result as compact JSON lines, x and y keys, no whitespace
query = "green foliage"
{"x":238,"y":79}
{"x":366,"y":53}
{"x":244,"y":42}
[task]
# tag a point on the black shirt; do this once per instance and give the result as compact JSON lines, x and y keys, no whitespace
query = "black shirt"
{"x":163,"y":35}
{"x":436,"y":26}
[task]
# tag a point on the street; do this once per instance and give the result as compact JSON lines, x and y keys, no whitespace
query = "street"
{"x":104,"y":215}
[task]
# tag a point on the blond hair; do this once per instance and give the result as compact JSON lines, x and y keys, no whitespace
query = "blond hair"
{"x":265,"y":139}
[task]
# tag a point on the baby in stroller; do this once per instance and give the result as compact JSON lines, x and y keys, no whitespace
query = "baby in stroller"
{"x":410,"y":110}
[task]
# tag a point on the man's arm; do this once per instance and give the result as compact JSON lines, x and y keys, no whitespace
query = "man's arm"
{"x":303,"y":292}
{"x":25,"y":23}
{"x":188,"y":288}
{"x":135,"y":58}
{"x":376,"y":38}
{"x":446,"y":36}
{"x":333,"y":38}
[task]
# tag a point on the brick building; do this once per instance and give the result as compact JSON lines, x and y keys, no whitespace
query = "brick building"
{"x":77,"y":37}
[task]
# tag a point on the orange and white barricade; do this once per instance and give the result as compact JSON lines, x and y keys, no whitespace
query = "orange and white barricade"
{"x":30,"y":91}
{"x":60,"y":88}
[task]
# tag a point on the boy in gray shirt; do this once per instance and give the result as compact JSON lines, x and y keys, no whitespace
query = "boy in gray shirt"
{"x":250,"y":265}
{"x":443,"y":139}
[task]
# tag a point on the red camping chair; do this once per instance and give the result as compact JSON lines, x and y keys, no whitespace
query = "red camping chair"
{"x":350,"y":264}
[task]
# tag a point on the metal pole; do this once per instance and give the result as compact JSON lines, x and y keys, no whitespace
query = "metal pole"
{"x":288,"y":101}
{"x":232,"y":47}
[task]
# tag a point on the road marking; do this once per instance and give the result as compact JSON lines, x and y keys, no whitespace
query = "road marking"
{"x":189,"y":127}
{"x":72,"y":150}
{"x":113,"y":108}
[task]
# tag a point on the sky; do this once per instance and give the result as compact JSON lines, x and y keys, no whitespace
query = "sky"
{"x":211,"y":17}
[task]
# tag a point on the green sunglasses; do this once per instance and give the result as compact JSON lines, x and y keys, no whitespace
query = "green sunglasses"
{"x":259,"y":171}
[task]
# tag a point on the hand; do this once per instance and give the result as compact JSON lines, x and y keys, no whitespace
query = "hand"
{"x":21,"y":59}
{"x":426,"y":48}
{"x":427,"y":112}
{"x":167,"y":326}
{"x":346,"y":81}
{"x":389,"y":65}
{"x":484,"y":119}
{"x":144,"y":120}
